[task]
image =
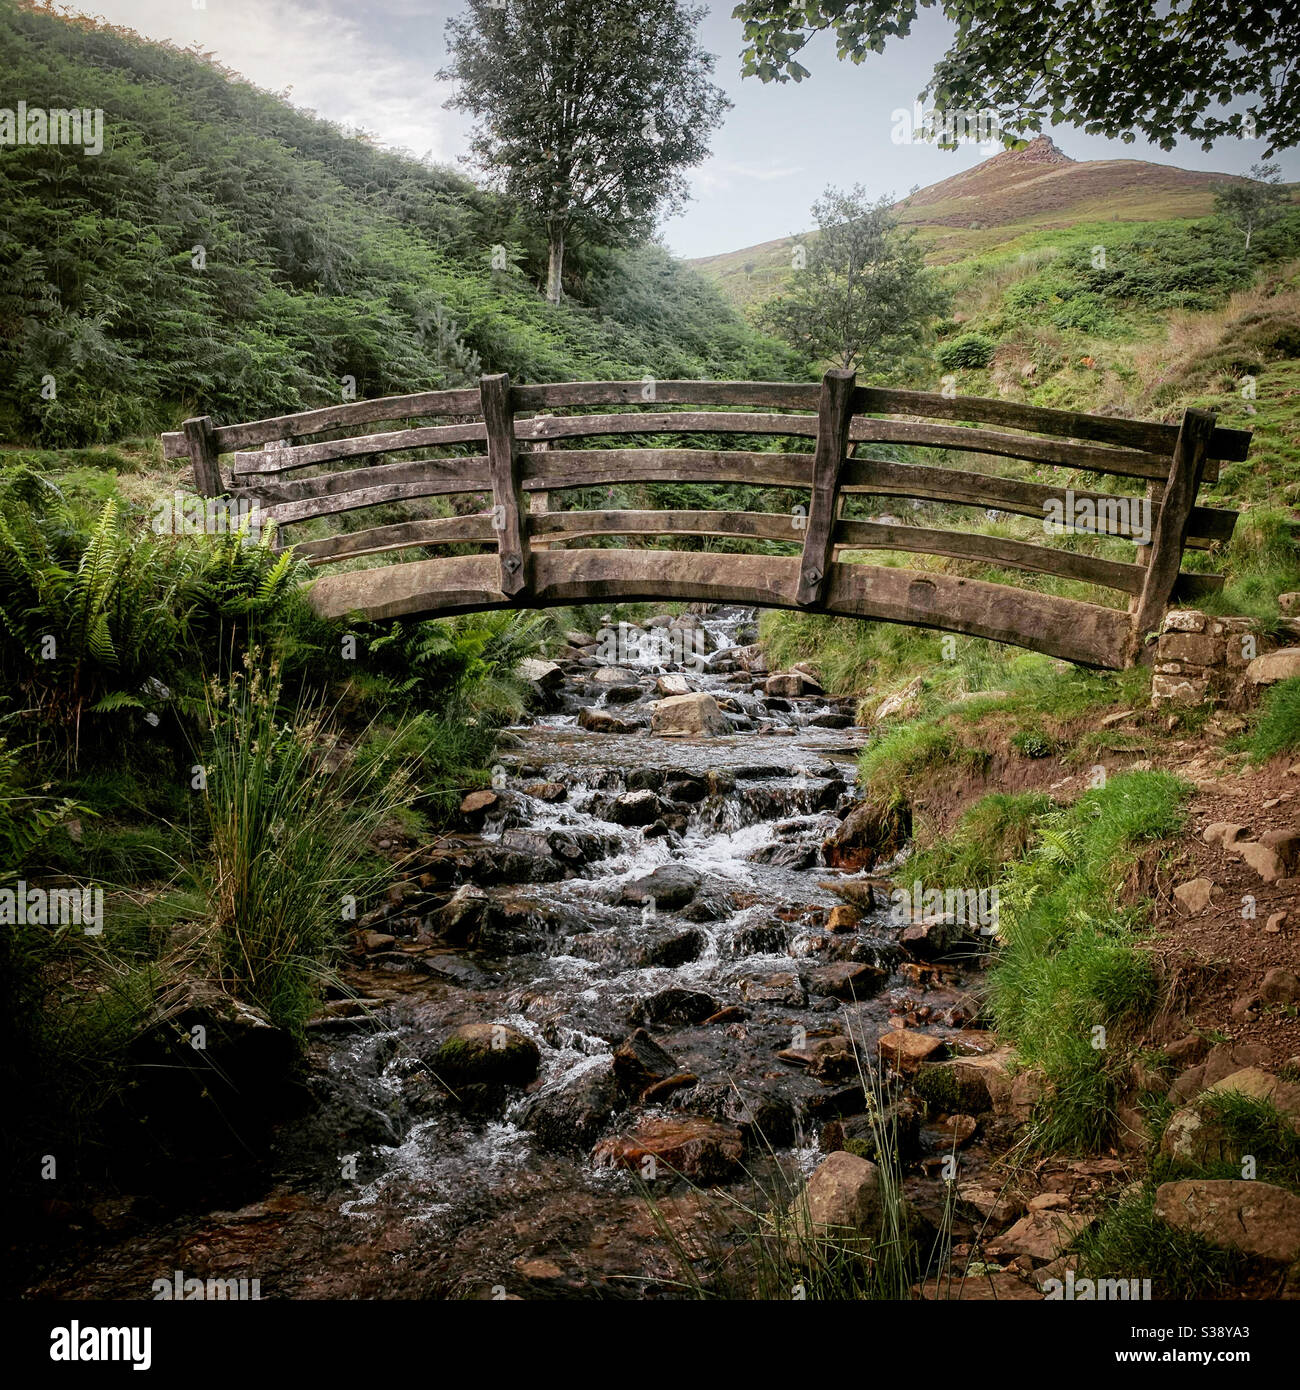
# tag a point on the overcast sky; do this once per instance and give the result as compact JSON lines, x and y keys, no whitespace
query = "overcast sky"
{"x":373,"y":66}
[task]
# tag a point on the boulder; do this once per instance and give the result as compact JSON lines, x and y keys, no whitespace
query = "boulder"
{"x":783,"y":987}
{"x":792,"y":685}
{"x":546,"y":675}
{"x":599,"y":721}
{"x":1280,"y":986}
{"x":613,"y":675}
{"x":699,"y":1150}
{"x":970,"y":1084}
{"x":674,"y":949}
{"x":1223,"y":833}
{"x":1253,"y":1217}
{"x":1274,"y":666}
{"x":845,"y":979}
{"x":841,"y":1206}
{"x":905,"y":1049}
{"x":572,"y":1112}
{"x":486,"y":1052}
{"x":634,"y":808}
{"x":675,"y":1006}
{"x":673,"y":684}
{"x":867,"y":832}
{"x":688,"y":716}
{"x":1197,"y":1134}
{"x":1039,"y":1236}
{"x":669,"y":887}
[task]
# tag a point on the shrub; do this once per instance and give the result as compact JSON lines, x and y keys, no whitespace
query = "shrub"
{"x":970,"y":350}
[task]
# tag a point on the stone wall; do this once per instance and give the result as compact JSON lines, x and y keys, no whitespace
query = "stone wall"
{"x":1200,"y":659}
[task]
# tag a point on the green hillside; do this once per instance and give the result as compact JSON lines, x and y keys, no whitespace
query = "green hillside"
{"x":228,"y":254}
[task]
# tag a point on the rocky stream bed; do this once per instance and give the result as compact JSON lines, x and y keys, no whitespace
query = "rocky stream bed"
{"x":648,"y":978}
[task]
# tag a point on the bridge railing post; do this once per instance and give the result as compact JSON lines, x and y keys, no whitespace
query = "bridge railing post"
{"x":834,"y":417}
{"x":203,"y":456}
{"x":506,"y":472}
{"x":1169,"y":535}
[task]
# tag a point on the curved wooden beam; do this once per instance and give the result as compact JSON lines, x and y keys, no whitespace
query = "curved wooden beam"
{"x":1084,"y":633}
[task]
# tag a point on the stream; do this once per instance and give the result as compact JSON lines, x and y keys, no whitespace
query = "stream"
{"x":619,"y":885}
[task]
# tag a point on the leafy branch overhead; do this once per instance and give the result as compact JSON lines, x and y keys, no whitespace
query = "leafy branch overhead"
{"x":1201,"y":70}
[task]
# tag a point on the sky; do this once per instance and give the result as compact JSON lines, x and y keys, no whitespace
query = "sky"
{"x":373,"y":65}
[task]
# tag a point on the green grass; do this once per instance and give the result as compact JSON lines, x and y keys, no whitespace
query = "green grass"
{"x":1277,"y":727}
{"x":1066,"y":967}
{"x":1130,"y":1241}
{"x":994,"y":830}
{"x":905,"y":754}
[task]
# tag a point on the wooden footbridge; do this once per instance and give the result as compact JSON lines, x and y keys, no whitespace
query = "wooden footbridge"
{"x":510,"y":432}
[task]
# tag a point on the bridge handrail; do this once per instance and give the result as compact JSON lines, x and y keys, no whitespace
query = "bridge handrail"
{"x":836,"y":415}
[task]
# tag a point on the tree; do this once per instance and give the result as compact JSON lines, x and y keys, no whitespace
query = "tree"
{"x":587,"y":111}
{"x":1252,"y":203}
{"x":1113,"y":68}
{"x":860,"y":294}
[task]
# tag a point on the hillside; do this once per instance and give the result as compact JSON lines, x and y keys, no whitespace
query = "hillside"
{"x":1037,"y":188}
{"x":231,"y":255}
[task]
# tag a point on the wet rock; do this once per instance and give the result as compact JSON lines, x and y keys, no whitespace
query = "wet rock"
{"x":845,"y":980}
{"x":622,"y":694}
{"x":684,"y":787}
{"x":905,"y":1049}
{"x":699,"y":1150}
{"x":867,"y":832}
{"x":634,"y":808}
{"x":597,"y":721}
{"x":613,"y":675}
{"x":1254,"y":1217}
{"x":673,"y":684}
{"x":639,"y":1062}
{"x":662,"y":1091}
{"x":956,"y":1131}
{"x":480,"y":804}
{"x":486,"y":1052}
{"x":693,"y":716}
{"x":970,"y":1084}
{"x":547,"y":791}
{"x":783,"y":987}
{"x":675,"y":1006}
{"x":842,"y":918}
{"x":841,"y":1206}
{"x":670,"y":887}
{"x":897,"y":1126}
{"x":574,"y":1112}
{"x":673,"y":950}
{"x":792,"y":685}
{"x":459,"y":918}
{"x":830,"y":721}
{"x":769,"y":939}
{"x":934,"y":938}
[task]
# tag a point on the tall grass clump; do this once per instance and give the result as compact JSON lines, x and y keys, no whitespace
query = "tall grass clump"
{"x":995,"y":829}
{"x":289,"y":811}
{"x":1277,"y":729}
{"x":1068,"y":988}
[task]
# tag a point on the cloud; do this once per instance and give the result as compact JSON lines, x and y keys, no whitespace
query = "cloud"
{"x":370,"y":68}
{"x":719,"y":174}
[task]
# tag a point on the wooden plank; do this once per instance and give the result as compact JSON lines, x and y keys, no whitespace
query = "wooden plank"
{"x":202,"y":451}
{"x":268,"y":461}
{"x":401,"y":535}
{"x":1133,"y":434}
{"x":304,"y":422}
{"x":558,"y":469}
{"x":884,"y":478}
{"x":432,"y":484}
{"x":1081,"y":632}
{"x":768,"y":526}
{"x":1124,"y":463}
{"x":505,"y":468}
{"x":469,"y":473}
{"x":833,"y":416}
{"x":1170,"y":531}
{"x":781,"y":395}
